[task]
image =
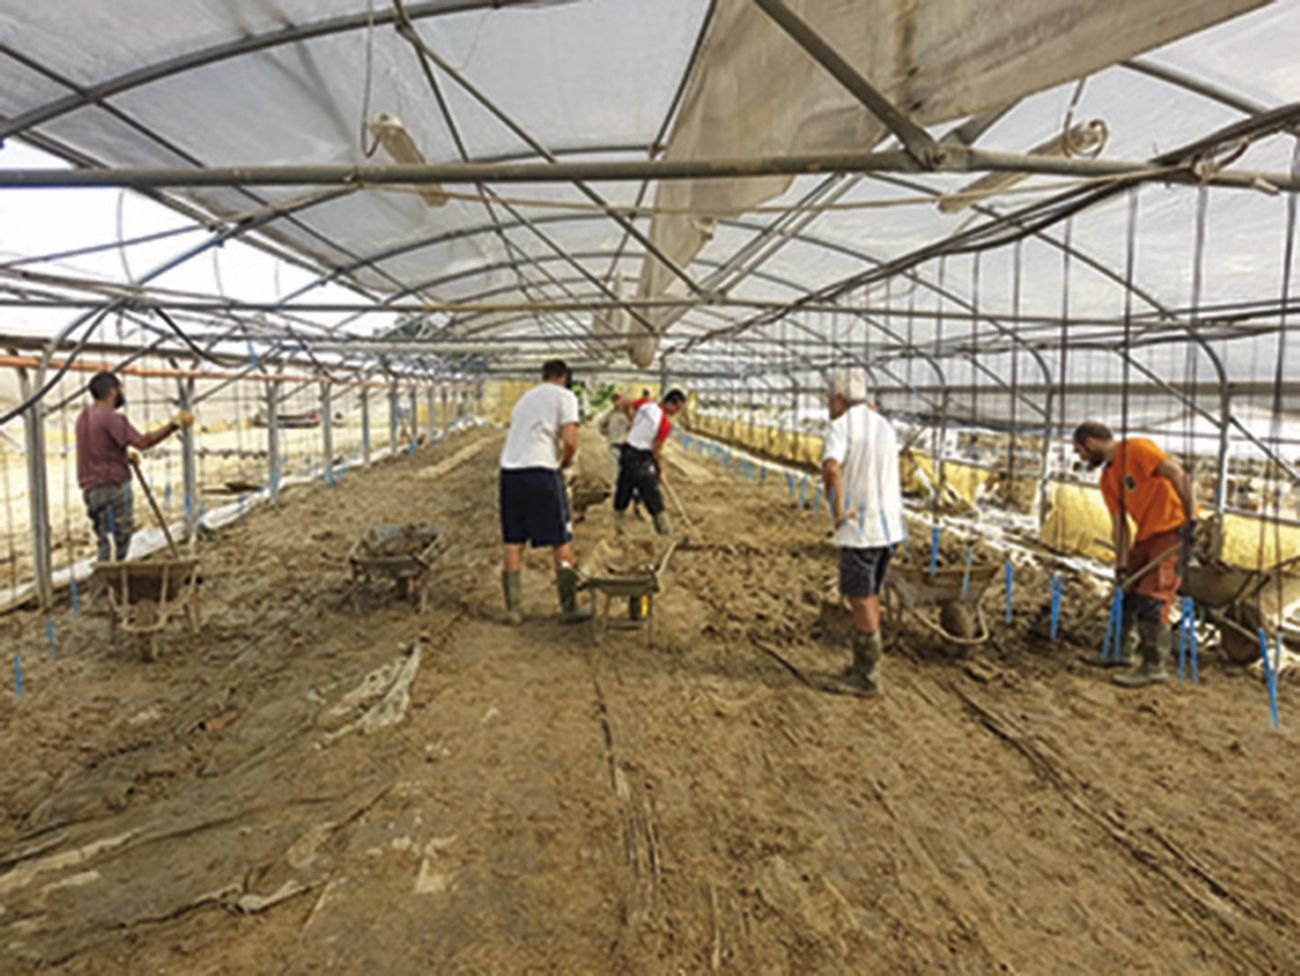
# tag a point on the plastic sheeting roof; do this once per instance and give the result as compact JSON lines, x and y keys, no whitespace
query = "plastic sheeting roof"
{"x":601,"y":80}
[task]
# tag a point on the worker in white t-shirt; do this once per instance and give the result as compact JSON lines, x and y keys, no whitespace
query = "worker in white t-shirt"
{"x":543,"y":439}
{"x":860,"y":471}
{"x":641,"y":469}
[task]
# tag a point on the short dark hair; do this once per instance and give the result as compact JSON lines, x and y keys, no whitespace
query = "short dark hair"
{"x":1092,"y":429}
{"x":675,"y":396}
{"x":554,"y":369}
{"x":102,"y":384}
{"x":645,"y":392}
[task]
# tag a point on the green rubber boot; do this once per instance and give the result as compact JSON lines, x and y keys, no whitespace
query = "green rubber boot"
{"x":1155,"y":643}
{"x":512,"y":587}
{"x":620,"y":523}
{"x":566,"y":584}
{"x":663,"y":524}
{"x":860,"y":678}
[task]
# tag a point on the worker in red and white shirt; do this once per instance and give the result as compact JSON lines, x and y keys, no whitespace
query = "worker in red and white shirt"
{"x":641,"y":470}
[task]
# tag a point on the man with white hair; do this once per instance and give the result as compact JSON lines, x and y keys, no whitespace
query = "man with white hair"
{"x":860,"y":471}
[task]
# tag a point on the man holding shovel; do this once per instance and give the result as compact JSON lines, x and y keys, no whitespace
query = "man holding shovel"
{"x":103,"y":467}
{"x":1141,"y":482}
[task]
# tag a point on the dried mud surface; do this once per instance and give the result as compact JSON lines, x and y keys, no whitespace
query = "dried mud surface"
{"x":309,"y":787}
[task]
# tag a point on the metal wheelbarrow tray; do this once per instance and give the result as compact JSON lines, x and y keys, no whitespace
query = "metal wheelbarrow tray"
{"x":1229,"y":596}
{"x":144,"y":596}
{"x":401,"y":553}
{"x":916,"y":590}
{"x":631,"y":569}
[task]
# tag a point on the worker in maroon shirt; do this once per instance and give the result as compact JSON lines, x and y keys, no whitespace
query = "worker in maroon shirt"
{"x":103,"y":467}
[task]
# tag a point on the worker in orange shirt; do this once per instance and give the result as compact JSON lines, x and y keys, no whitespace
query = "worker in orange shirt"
{"x":1140,"y":482}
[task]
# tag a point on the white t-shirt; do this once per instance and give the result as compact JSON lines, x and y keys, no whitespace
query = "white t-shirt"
{"x":864,"y":444}
{"x":645,"y":426}
{"x":534,"y":437}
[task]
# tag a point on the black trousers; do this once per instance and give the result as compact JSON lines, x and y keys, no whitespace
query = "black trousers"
{"x":637,"y":475}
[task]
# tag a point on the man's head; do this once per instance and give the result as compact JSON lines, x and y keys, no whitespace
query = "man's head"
{"x":673,"y":402}
{"x":645,"y":393}
{"x":556,"y":371}
{"x":845,"y":388}
{"x":106,"y":390}
{"x":1094,"y":443}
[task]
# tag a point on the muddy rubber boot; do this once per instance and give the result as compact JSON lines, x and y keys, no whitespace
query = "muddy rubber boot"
{"x":620,"y":523}
{"x":860,"y":678}
{"x":1155,"y":642}
{"x":512,"y":587}
{"x":663,"y":524}
{"x":1128,"y":652}
{"x":566,"y":584}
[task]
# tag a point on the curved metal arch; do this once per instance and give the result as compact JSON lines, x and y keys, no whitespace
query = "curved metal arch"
{"x":189,"y":61}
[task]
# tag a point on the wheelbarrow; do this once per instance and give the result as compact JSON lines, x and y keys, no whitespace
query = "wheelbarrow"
{"x":626,"y":569}
{"x":143,"y":597}
{"x":1229,"y":597}
{"x":944,"y":594}
{"x":402,"y":554}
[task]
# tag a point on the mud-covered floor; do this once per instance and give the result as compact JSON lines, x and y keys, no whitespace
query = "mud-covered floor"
{"x":309,"y":786}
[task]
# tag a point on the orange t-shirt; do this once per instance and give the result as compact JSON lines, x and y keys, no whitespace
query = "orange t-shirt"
{"x":1149,"y":498}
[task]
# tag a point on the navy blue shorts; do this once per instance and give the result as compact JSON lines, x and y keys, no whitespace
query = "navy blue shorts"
{"x":534,"y":507}
{"x":862,"y":571}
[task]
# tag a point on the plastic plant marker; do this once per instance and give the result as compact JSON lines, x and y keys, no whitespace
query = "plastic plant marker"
{"x":1057,"y":592}
{"x":74,"y":594}
{"x":1009,"y":574}
{"x":18,"y":676}
{"x":49,"y":636}
{"x":1269,"y":679}
{"x":934,"y":550}
{"x":1191,"y":638}
{"x":965,"y":574}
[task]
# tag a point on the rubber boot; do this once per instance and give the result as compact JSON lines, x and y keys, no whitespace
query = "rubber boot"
{"x":663,"y":524}
{"x":512,"y":587}
{"x":566,"y":584}
{"x":860,"y":676}
{"x":1128,"y":650}
{"x":620,"y":523}
{"x":1155,"y":642}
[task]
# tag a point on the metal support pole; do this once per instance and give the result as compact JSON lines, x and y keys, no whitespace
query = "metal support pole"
{"x":413,"y":400}
{"x":273,"y":440}
{"x":430,"y":403}
{"x":365,"y":426}
{"x":1221,"y":465}
{"x":327,"y":430}
{"x":38,"y":492}
{"x":392,"y":418}
{"x":1043,"y":499}
{"x":189,"y":465}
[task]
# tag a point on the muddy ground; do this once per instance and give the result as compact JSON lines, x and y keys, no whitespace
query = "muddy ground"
{"x":321,"y":784}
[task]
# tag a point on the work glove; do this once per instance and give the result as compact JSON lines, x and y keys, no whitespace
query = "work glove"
{"x":183,"y":419}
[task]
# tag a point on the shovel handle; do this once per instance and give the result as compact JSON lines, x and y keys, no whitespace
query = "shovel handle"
{"x":162,"y":522}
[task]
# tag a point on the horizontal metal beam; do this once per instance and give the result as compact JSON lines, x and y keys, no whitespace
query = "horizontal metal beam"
{"x":953,"y":159}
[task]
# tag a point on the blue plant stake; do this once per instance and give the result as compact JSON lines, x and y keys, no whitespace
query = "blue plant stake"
{"x":1269,"y":679}
{"x":1114,"y":626}
{"x":1009,"y":574}
{"x":934,"y":550}
{"x":49,"y":636}
{"x":817,"y":498}
{"x":72,"y":591}
{"x":789,"y":483}
{"x":18,"y":676}
{"x":965,"y":574}
{"x":1189,"y":606}
{"x":1058,"y":587}
{"x":762,"y":477}
{"x":803,"y":491}
{"x":240,"y":503}
{"x":167,"y":495}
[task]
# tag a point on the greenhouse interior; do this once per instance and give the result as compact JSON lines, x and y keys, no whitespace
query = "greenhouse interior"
{"x":908,"y":396}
